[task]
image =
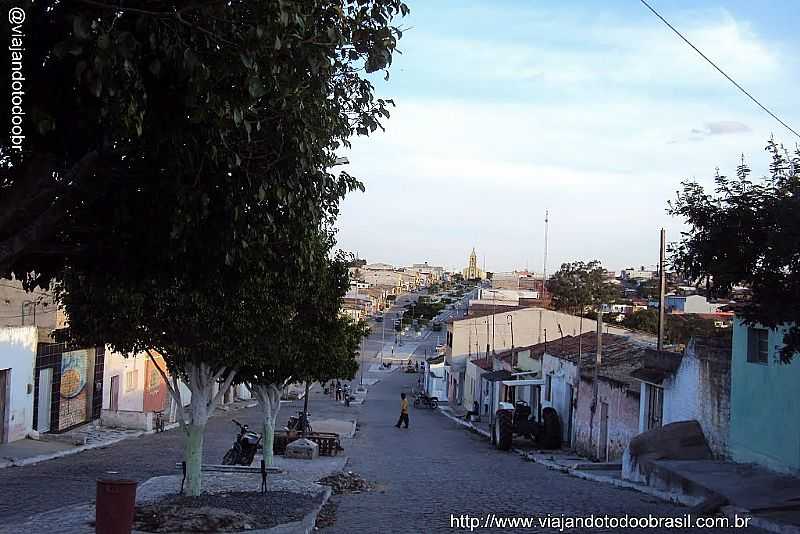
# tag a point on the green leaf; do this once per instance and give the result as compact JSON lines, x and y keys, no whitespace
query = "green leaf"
{"x":255,"y":87}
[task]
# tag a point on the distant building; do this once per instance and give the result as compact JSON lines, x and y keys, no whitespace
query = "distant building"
{"x":517,"y":280}
{"x":640,"y":274}
{"x":689,"y":304}
{"x":472,"y":271}
{"x":433,"y":273}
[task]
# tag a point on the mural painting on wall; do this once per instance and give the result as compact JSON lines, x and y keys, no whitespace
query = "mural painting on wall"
{"x":155,"y":390}
{"x":74,"y":394}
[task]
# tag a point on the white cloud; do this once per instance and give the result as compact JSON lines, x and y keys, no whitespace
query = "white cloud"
{"x":596,"y":132}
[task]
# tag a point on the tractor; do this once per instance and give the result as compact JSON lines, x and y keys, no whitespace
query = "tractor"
{"x":516,"y":419}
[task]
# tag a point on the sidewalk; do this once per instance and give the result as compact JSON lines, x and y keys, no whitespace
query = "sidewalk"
{"x":83,"y":438}
{"x":30,"y":451}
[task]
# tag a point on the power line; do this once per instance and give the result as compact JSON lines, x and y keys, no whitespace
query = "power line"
{"x":742,"y":89}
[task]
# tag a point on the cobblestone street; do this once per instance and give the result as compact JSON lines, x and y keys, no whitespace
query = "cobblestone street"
{"x":423,"y":474}
{"x":437,"y":468}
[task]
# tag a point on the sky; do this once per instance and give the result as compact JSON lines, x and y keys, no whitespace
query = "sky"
{"x":592,"y":111}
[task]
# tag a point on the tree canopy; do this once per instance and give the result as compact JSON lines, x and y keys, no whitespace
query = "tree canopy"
{"x":579,"y":284}
{"x":158,"y":127}
{"x":746,"y":232}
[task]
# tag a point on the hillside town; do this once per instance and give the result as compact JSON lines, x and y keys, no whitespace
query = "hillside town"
{"x":358,"y":266}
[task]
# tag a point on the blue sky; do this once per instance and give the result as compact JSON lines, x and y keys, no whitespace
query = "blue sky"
{"x":594,"y":111}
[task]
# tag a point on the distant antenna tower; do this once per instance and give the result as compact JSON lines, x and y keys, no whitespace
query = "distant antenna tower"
{"x":544,"y":274}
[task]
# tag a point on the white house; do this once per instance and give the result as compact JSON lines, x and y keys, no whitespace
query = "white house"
{"x":693,"y":386}
{"x":434,"y":383}
{"x":134,"y":390}
{"x":17,"y":360}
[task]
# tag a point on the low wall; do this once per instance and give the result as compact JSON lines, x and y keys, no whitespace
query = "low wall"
{"x":127,"y":419}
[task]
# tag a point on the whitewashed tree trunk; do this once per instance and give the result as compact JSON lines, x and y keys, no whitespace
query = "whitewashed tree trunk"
{"x":269,"y":400}
{"x":200,"y":379}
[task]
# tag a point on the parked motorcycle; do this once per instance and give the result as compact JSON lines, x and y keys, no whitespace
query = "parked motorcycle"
{"x":244,"y":448}
{"x":424,"y":400}
{"x":299,"y":422}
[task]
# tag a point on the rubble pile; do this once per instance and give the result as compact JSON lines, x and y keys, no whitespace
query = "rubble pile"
{"x":345,"y":482}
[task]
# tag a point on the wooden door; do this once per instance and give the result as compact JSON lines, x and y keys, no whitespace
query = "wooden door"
{"x":45,"y":397}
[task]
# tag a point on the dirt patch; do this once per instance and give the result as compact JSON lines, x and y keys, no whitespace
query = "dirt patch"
{"x":223,"y":512}
{"x":346,"y":482}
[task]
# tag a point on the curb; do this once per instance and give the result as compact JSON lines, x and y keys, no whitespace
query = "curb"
{"x":68,"y":452}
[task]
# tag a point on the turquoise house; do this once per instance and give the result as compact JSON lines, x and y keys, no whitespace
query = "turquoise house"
{"x":765,"y":407}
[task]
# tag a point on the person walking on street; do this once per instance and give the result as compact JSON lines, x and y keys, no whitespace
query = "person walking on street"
{"x":403,"y":411}
{"x":338,"y":391}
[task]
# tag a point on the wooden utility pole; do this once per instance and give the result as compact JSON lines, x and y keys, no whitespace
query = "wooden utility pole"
{"x":597,"y":361}
{"x":662,"y":286}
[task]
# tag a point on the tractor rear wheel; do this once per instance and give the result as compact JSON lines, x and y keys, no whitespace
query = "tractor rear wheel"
{"x":505,"y":429}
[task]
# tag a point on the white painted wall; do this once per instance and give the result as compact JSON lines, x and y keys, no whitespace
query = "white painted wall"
{"x":130,"y":400}
{"x":436,"y":385}
{"x":562,"y":373}
{"x":470,"y":335}
{"x":18,"y":355}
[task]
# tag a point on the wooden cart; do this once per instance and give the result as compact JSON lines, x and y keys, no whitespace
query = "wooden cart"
{"x":328,"y":442}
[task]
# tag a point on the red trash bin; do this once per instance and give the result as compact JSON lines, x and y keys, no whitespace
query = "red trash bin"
{"x":114,"y":508}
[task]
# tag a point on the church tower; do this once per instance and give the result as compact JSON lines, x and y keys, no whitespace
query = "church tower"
{"x":473,"y":271}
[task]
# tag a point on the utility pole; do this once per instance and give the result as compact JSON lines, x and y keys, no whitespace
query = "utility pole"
{"x":544,"y":274}
{"x":574,"y":436}
{"x":494,"y":312}
{"x":662,"y":283}
{"x":361,"y":354}
{"x":383,"y":335}
{"x":597,"y":361}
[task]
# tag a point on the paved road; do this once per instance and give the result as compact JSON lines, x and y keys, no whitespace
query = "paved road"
{"x":437,"y":468}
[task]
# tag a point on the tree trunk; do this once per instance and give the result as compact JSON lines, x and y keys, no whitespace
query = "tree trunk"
{"x":200,"y":379}
{"x":269,"y":400}
{"x":193,"y":455}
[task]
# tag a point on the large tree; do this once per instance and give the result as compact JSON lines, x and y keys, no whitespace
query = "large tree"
{"x":747,"y":232}
{"x":579,"y":284}
{"x":178,"y":154}
{"x":308,"y":342}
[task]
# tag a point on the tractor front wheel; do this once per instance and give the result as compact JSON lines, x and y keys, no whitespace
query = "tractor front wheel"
{"x":505,"y":429}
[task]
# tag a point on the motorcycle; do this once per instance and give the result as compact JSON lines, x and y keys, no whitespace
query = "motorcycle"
{"x":423,"y":400}
{"x":299,"y":422}
{"x":244,"y":448}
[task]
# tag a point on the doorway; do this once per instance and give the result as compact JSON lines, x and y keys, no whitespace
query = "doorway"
{"x":45,"y":397}
{"x":602,"y":441}
{"x":3,"y":404}
{"x":114,"y":395}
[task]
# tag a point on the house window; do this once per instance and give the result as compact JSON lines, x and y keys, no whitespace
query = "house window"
{"x":548,"y":386}
{"x":654,"y":409}
{"x":131,"y":380}
{"x":757,"y":345}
